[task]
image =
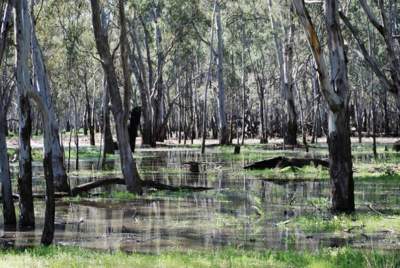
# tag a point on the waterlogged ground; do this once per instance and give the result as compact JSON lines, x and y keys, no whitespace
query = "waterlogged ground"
{"x":279,"y":209}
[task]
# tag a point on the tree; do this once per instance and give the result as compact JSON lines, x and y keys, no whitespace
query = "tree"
{"x":27,"y":44}
{"x":6,"y":91}
{"x":22,"y":36}
{"x":335,"y":89}
{"x":386,"y":28}
{"x":284,"y":55}
{"x":222,"y":125}
{"x":129,"y":169}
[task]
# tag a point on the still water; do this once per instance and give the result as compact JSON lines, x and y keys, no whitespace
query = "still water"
{"x":241,"y":211}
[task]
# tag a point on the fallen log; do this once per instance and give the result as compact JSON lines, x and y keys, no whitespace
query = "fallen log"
{"x":161,"y":186}
{"x":149,"y":184}
{"x":86,"y":187}
{"x":282,"y":162}
{"x":95,"y":184}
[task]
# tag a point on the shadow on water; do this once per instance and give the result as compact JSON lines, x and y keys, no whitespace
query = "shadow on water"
{"x":242,"y":210}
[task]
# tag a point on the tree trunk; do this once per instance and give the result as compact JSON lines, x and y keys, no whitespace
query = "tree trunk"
{"x":208,"y":82}
{"x":158,"y":98}
{"x":140,"y":74}
{"x":336,"y":93}
{"x":134,"y":122}
{"x":124,"y":47}
{"x":22,"y":32}
{"x":284,"y":55}
{"x":6,"y":190}
{"x":222,"y":125}
{"x":341,"y":169}
{"x":291,"y":121}
{"x":243,"y":83}
{"x":341,"y":172}
{"x":129,"y":169}
{"x":43,"y":97}
{"x":48,"y":229}
{"x":108,"y":143}
{"x":6,"y":94}
{"x":89,"y":117}
{"x":40,"y":93}
{"x":26,"y":217}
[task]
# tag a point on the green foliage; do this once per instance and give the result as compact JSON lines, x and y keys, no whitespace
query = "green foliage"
{"x":360,"y":222}
{"x":120,"y":195}
{"x":56,"y":256}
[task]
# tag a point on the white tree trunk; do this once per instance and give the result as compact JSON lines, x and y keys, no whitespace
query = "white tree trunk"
{"x":222,"y":125}
{"x":26,"y":35}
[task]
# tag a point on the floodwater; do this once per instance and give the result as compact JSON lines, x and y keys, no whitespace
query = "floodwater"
{"x":241,"y":211}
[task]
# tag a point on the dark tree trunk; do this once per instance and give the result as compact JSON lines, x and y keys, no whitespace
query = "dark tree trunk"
{"x":335,"y":89}
{"x":89,"y":118}
{"x":48,"y":230}
{"x":108,"y":143}
{"x":26,"y":217}
{"x":134,"y":122}
{"x":341,"y":168}
{"x":85,"y":124}
{"x":6,"y":189}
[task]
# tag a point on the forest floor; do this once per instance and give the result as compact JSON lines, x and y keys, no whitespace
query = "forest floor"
{"x":60,"y":257}
{"x":250,"y":218}
{"x":37,"y":140}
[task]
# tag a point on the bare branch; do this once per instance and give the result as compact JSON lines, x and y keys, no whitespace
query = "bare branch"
{"x":368,"y":58}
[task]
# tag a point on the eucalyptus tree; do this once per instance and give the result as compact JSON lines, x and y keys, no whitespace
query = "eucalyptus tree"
{"x":129,"y":169}
{"x":335,"y":89}
{"x":27,"y":45}
{"x":6,"y":92}
{"x":386,"y":26}
{"x":222,"y":125}
{"x":22,"y":40}
{"x":284,"y":55}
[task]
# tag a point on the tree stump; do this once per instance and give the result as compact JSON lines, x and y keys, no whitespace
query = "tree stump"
{"x":237,"y":149}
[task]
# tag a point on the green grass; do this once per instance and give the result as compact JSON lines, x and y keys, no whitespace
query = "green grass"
{"x":78,"y":257}
{"x":382,"y":169}
{"x":378,"y":171}
{"x":307,"y":172}
{"x":360,"y":222}
{"x":86,"y":152}
{"x":120,"y":196}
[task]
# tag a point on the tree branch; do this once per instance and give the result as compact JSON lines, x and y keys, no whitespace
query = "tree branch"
{"x":372,"y":18}
{"x":368,"y":58}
